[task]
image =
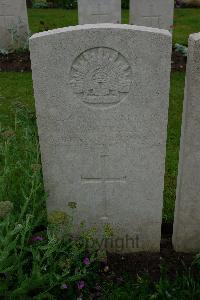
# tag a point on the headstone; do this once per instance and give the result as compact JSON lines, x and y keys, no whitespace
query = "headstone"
{"x":152,"y":13}
{"x":186,"y":236}
{"x":13,"y":24}
{"x":102,"y":101}
{"x":99,"y":11}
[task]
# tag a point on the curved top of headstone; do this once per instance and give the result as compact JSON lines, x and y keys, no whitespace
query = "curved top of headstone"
{"x":101,"y":26}
{"x":195,"y":36}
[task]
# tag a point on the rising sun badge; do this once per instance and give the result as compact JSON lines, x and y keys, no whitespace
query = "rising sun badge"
{"x":101,"y":77}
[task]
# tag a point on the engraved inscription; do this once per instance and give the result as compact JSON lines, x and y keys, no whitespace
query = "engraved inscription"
{"x":152,"y":21}
{"x":6,"y":8}
{"x":101,"y":77}
{"x":100,"y":10}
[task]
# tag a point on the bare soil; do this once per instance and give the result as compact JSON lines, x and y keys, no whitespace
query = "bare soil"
{"x":20,"y":62}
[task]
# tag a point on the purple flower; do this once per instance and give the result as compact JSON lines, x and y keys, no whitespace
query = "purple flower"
{"x":98,"y":287}
{"x":86,"y":261}
{"x":4,"y":274}
{"x":81,"y":285}
{"x":64,"y":286}
{"x":37,"y":238}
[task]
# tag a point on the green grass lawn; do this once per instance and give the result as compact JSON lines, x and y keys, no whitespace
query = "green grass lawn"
{"x":174,"y":131}
{"x":186,"y":21}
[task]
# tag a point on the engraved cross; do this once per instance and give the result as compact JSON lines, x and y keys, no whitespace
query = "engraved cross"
{"x":104,"y":179}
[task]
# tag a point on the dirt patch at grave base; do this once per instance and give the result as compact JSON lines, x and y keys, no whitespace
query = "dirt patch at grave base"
{"x":152,"y":263}
{"x":20,"y":62}
{"x":179,"y":61}
{"x":16,"y":62}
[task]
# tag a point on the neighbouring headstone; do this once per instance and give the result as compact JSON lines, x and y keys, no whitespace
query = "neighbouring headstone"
{"x":186,"y":236}
{"x":14,"y":31}
{"x":102,"y":101}
{"x":152,"y":13}
{"x":99,"y":11}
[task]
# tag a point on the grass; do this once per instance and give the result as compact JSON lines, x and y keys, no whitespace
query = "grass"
{"x":34,"y":263}
{"x":186,"y":21}
{"x":184,"y":287}
{"x":14,"y":87}
{"x":173,"y":139}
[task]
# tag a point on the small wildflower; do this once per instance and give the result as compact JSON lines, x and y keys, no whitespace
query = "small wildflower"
{"x":8,"y":133}
{"x":81,"y":285}
{"x":17,"y":228}
{"x":37,"y":238}
{"x":106,"y":269}
{"x":44,"y":268}
{"x":5,"y":208}
{"x":82,"y":224}
{"x":64,"y":286}
{"x":72,"y":205}
{"x":36,"y":167}
{"x":102,"y":256}
{"x":120,"y":280}
{"x":4,"y":274}
{"x":97,"y":287}
{"x":86,"y":261}
{"x":58,"y":218}
{"x":108,"y":231}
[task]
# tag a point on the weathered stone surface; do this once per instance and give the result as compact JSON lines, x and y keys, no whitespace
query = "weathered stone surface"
{"x":102,"y":101}
{"x":152,"y":13}
{"x":99,"y":11}
{"x":13,"y":24}
{"x":186,"y":235}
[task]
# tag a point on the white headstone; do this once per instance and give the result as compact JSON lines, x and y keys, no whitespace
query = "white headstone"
{"x":13,"y":23}
{"x":102,"y":101}
{"x":186,"y":237}
{"x":152,"y":13}
{"x":99,"y":11}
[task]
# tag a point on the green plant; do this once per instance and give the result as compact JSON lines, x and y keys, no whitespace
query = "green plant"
{"x":181,"y":49}
{"x":4,"y":51}
{"x":58,"y":4}
{"x":19,"y":41}
{"x":40,"y":5}
{"x":197,"y":260}
{"x":71,"y":4}
{"x":33,"y":261}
